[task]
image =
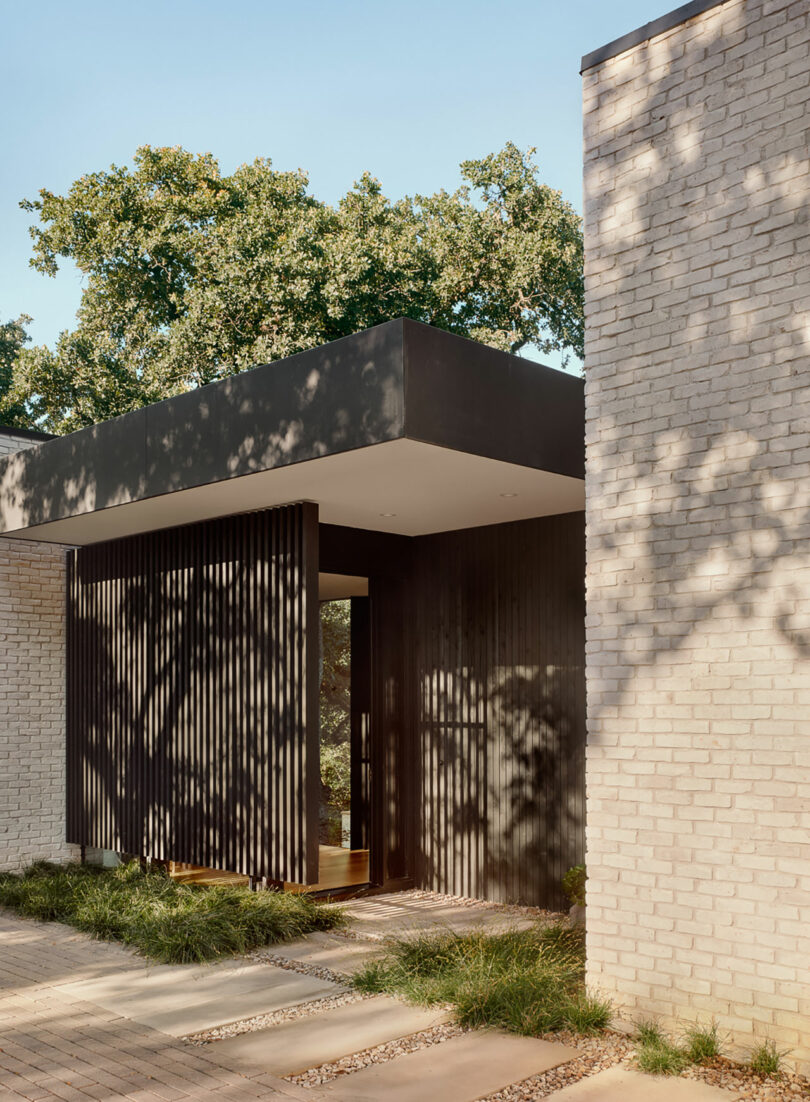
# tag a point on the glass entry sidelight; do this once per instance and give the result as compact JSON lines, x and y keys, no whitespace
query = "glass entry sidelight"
{"x":344,"y":716}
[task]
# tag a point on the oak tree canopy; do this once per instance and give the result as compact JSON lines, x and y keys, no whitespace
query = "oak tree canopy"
{"x":191,"y":275}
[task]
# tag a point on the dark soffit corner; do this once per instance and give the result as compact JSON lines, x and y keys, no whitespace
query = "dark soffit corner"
{"x":25,"y":434}
{"x":472,"y":398}
{"x":648,"y":31}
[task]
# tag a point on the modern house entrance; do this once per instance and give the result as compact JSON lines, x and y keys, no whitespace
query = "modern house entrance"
{"x":436,"y":485}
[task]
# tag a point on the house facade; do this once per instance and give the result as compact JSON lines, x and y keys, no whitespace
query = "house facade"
{"x":160,"y":575}
{"x":697,"y":235}
{"x":166,"y":570}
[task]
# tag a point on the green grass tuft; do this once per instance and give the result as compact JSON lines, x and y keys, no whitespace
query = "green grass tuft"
{"x":661,"y":1057}
{"x":649,"y":1032}
{"x":701,"y":1043}
{"x":525,"y":981}
{"x":589,"y":1014}
{"x":167,"y":922}
{"x":766,"y":1059}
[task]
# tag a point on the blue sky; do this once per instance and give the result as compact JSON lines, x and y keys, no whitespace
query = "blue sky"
{"x":405,"y":90}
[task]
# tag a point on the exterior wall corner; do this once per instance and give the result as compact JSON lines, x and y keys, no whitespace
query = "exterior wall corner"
{"x":697,"y":225}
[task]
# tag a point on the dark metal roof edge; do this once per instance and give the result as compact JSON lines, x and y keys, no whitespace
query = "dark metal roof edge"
{"x":26,"y":434}
{"x":648,"y":31}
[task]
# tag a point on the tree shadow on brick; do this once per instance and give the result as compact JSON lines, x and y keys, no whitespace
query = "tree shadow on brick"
{"x":186,"y":696}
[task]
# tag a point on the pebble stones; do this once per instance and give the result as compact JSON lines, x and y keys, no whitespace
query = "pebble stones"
{"x":749,"y":1087}
{"x":264,"y":1021}
{"x":596,"y":1054}
{"x":381,"y":1054}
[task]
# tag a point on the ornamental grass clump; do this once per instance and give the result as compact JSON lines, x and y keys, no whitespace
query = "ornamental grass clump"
{"x":525,"y":981}
{"x":701,"y":1043}
{"x":656,"y":1054}
{"x":167,"y":922}
{"x":766,"y":1060}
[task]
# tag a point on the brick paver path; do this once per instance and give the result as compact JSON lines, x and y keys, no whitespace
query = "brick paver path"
{"x":56,"y":1047}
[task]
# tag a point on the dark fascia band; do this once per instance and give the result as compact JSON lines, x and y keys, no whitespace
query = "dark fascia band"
{"x":649,"y":30}
{"x":25,"y":434}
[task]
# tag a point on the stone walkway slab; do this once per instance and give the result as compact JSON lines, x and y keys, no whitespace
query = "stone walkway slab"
{"x":56,"y":1048}
{"x":181,"y":999}
{"x":341,"y":954}
{"x":295,"y":1046}
{"x":622,"y":1085}
{"x":459,"y":1070}
{"x":379,"y":916}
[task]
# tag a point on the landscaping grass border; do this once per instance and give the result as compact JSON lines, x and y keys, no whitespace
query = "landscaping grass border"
{"x":165,"y":921}
{"x":525,"y":981}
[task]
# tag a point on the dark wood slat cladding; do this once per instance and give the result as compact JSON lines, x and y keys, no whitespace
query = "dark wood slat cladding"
{"x":192,"y":694}
{"x":499,"y":688}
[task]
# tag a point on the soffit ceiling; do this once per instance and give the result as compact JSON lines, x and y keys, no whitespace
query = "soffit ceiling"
{"x":402,"y":486}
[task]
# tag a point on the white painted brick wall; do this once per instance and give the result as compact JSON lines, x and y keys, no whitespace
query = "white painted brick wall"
{"x":697,"y":213}
{"x":32,"y":698}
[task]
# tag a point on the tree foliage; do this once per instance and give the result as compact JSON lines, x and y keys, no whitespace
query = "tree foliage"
{"x":191,"y":275}
{"x":13,"y":337}
{"x":335,"y":717}
{"x":335,"y":691}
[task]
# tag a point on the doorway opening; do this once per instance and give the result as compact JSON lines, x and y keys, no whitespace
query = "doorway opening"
{"x":344,"y":763}
{"x":344,"y":716}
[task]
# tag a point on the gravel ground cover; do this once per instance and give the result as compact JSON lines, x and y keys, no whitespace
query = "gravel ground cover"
{"x":596,"y":1054}
{"x":601,"y":1052}
{"x":381,"y":1054}
{"x":265,"y":1021}
{"x":746,"y":1086}
{"x":304,"y":967}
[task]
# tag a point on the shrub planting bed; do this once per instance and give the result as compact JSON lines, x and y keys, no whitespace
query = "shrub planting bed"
{"x":525,"y":981}
{"x":166,"y":922}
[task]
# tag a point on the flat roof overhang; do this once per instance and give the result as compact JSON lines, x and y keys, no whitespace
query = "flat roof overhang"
{"x":402,"y":428}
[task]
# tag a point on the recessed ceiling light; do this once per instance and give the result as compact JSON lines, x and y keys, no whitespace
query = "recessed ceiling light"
{"x":508,"y":495}
{"x":388,"y":514}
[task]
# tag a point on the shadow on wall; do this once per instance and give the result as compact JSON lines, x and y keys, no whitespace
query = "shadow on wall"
{"x":343,"y":396}
{"x":544,"y":800}
{"x":710,"y":512}
{"x":698,"y":516}
{"x":500,"y":655}
{"x":186,"y":697}
{"x":504,"y":799}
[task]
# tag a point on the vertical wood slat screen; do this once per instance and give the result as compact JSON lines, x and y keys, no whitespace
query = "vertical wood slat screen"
{"x":500,"y":653}
{"x":192,"y":694}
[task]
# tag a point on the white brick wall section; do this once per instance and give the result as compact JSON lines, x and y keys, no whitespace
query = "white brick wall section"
{"x":697,"y":221}
{"x":32,"y":697}
{"x":32,"y":703}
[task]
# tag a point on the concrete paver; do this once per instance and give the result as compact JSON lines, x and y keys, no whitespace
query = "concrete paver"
{"x":623,"y":1085}
{"x":57,"y":1047}
{"x":412,"y":912}
{"x":459,"y":1070}
{"x":295,"y":1046}
{"x":341,"y":954}
{"x":181,"y":999}
{"x":84,"y":1019}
